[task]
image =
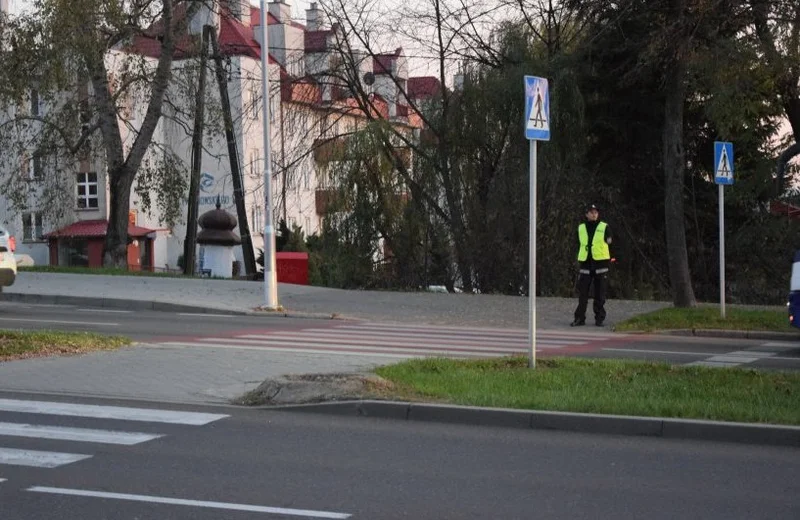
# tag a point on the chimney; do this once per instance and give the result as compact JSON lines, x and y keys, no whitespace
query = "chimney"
{"x":281,"y":10}
{"x":240,"y":9}
{"x":313,"y":18}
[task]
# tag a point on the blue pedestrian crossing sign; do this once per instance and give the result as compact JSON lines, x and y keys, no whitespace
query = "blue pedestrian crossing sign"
{"x":537,"y":109}
{"x":723,"y":163}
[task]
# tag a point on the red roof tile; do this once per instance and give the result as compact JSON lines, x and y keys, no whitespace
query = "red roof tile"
{"x":382,"y":63}
{"x":423,"y":87}
{"x":93,"y":229}
{"x":234,"y":39}
{"x":316,"y":41}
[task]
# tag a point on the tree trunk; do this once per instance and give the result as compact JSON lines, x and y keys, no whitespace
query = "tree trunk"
{"x":233,"y":156}
{"x":190,"y":244}
{"x":122,"y":170}
{"x":674,"y":170}
{"x":115,"y":253}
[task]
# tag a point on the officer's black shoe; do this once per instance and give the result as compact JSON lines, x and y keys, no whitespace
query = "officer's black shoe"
{"x":599,"y":323}
{"x":577,"y":323}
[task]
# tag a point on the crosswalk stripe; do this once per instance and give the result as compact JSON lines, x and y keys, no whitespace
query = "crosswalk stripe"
{"x":75,"y":434}
{"x":437,"y":335}
{"x":395,"y":339}
{"x":109,"y":412}
{"x":442,"y":328}
{"x":315,"y":348}
{"x":289,"y":340}
{"x":510,"y":333}
{"x":38,"y":459}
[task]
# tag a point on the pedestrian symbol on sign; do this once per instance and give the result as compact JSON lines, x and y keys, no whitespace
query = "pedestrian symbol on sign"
{"x":723,"y":163}
{"x":538,"y":121}
{"x":537,"y":109}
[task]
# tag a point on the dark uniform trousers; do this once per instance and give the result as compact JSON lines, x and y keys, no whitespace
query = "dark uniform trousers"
{"x":599,"y":281}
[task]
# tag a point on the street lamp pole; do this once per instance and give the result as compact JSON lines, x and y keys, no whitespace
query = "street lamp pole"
{"x":270,"y":275}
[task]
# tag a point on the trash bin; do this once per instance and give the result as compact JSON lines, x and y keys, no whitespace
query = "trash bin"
{"x":292,"y":267}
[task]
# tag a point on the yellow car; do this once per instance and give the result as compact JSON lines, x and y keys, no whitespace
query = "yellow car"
{"x":8,"y":263}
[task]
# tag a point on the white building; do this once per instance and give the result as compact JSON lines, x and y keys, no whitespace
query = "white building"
{"x":310,"y":110}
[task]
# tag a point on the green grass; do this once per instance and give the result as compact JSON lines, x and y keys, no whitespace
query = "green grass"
{"x":708,"y":317}
{"x":604,"y":387}
{"x":20,"y":345}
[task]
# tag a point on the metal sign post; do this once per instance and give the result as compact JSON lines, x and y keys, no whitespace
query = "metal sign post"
{"x":723,"y":176}
{"x":537,"y":128}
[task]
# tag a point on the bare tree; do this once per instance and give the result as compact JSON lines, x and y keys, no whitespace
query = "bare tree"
{"x":86,"y":51}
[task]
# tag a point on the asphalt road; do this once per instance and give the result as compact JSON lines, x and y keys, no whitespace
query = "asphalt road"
{"x":161,"y":327}
{"x":252,"y":464}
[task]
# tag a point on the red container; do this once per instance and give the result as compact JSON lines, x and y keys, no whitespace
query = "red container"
{"x":292,"y":267}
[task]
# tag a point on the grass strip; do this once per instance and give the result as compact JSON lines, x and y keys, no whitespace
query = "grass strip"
{"x":708,"y":317}
{"x":602,"y":386}
{"x":22,"y":345}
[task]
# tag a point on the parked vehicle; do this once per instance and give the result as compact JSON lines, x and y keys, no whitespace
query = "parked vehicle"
{"x":8,"y":263}
{"x":794,"y":293}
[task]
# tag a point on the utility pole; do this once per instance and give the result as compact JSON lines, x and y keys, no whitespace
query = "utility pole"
{"x":270,"y":271}
{"x":233,"y":155}
{"x":190,"y":244}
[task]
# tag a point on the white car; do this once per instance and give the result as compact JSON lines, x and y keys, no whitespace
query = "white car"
{"x":8,"y":263}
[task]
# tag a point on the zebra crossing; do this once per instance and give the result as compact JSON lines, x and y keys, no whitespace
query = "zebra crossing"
{"x":392,"y":340}
{"x":78,"y":435}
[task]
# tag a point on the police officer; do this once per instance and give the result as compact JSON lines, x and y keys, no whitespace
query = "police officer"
{"x":594,"y":257}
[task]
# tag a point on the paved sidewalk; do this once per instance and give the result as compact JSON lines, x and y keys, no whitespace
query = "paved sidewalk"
{"x":480,"y":310}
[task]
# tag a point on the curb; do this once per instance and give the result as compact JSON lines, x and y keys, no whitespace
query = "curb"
{"x":727,"y":333}
{"x":113,"y":303}
{"x":747,"y":433}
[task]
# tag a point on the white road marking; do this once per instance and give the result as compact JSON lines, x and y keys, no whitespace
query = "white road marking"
{"x":732,"y":359}
{"x":701,"y":354}
{"x":204,"y":315}
{"x":441,"y":328}
{"x":38,"y":459}
{"x":715,"y":364}
{"x":751,"y":353}
{"x":75,"y":434}
{"x":781,"y":344}
{"x":519,"y":333}
{"x":399,"y":338}
{"x":307,"y":513}
{"x":2,"y":480}
{"x":64,"y":322}
{"x":111,"y":311}
{"x":279,"y":339}
{"x":331,"y":349}
{"x":109,"y":412}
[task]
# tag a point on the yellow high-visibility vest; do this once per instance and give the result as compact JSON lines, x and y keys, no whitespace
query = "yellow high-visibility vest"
{"x":600,"y":250}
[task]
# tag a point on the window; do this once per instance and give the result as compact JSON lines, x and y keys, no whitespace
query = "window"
{"x":36,"y":103}
{"x":32,"y":224}
{"x":254,"y":104}
{"x":255,"y":163}
{"x":87,"y":191}
{"x":34,"y":170}
{"x":273,"y":107}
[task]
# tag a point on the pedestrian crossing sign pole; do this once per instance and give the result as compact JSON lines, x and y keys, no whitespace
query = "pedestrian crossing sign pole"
{"x":723,"y":176}
{"x":537,"y":128}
